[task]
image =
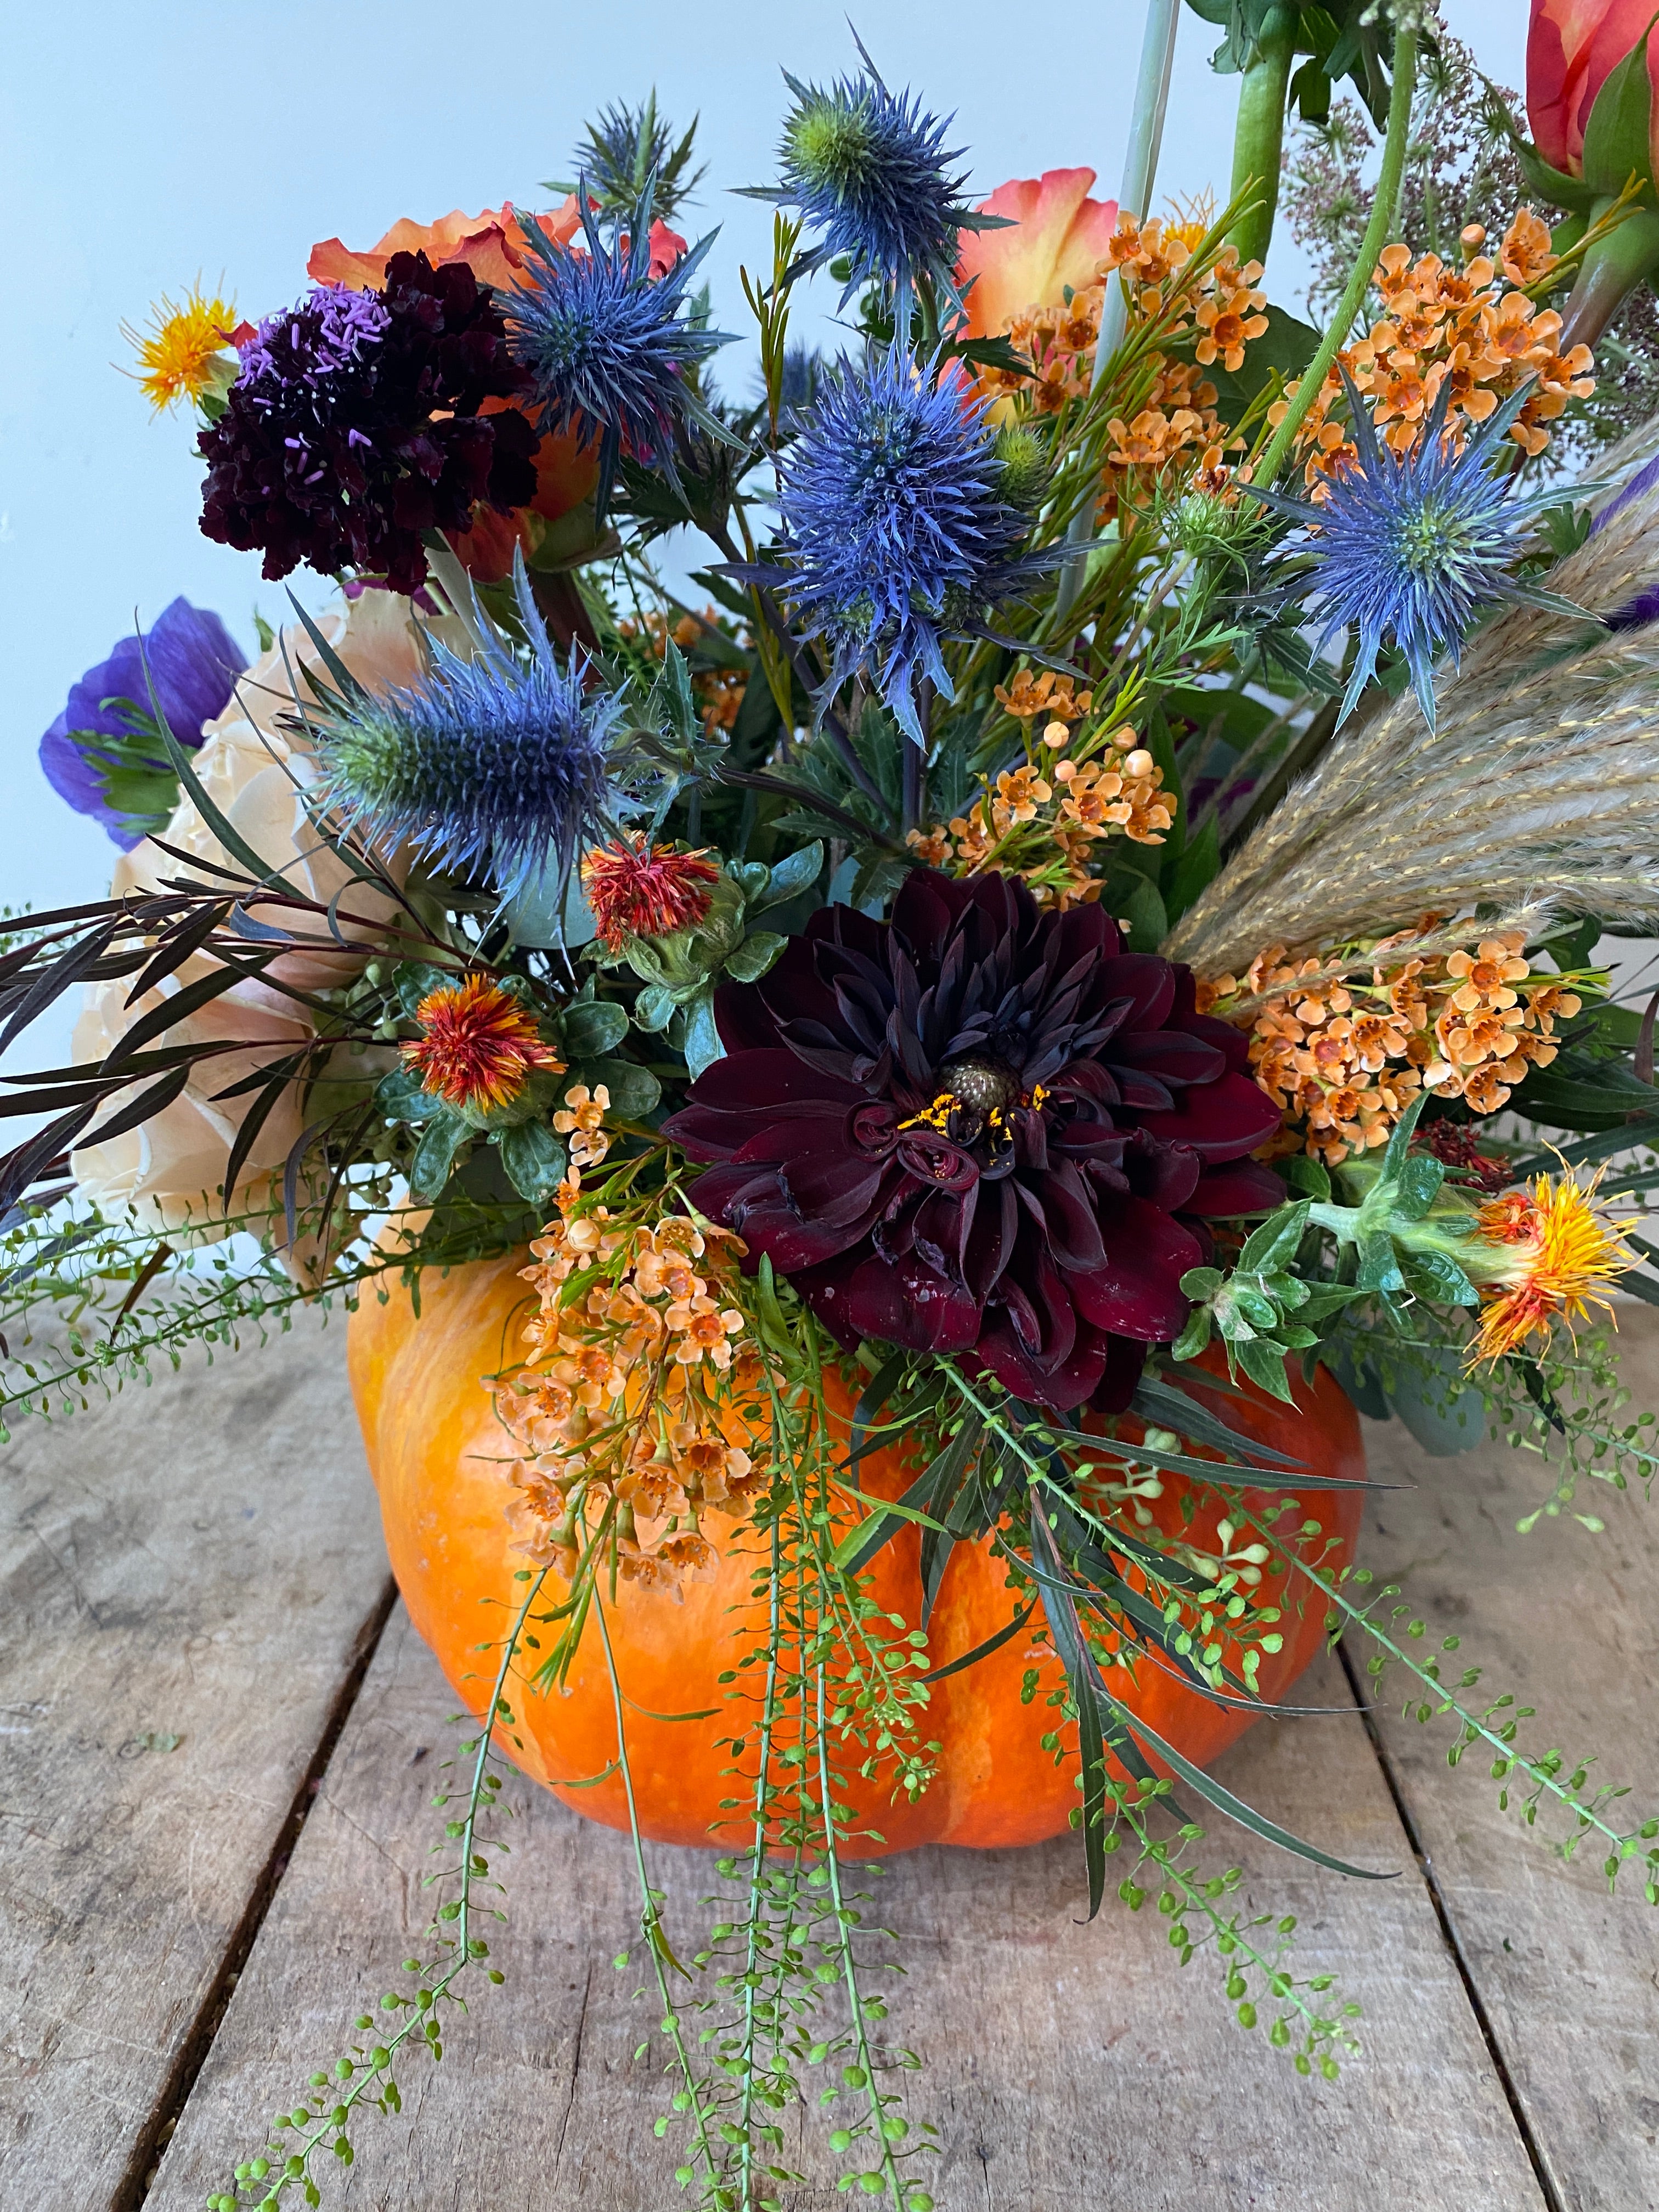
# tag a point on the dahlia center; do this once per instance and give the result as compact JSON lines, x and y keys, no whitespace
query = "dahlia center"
{"x":984,"y":1086}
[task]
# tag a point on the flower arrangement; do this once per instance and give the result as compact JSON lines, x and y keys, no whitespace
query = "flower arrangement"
{"x":1078,"y":939}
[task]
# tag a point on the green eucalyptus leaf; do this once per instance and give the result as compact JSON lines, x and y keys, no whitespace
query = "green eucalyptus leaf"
{"x":758,"y":952}
{"x":1418,"y":1186}
{"x":796,"y":873}
{"x":654,"y":1009}
{"x":633,"y":1091}
{"x":413,"y":979}
{"x":435,"y":1155}
{"x":1264,"y":1363}
{"x":1307,"y":1175}
{"x":1202,"y":1282}
{"x":1195,"y":1337}
{"x":534,"y":1159}
{"x":1274,"y":1242}
{"x":702,"y":1046}
{"x":592,"y":1028}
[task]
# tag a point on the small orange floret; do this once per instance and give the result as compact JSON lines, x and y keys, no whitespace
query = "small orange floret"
{"x":175,"y":356}
{"x":479,"y":1045}
{"x":637,"y":888}
{"x":1553,"y":1252}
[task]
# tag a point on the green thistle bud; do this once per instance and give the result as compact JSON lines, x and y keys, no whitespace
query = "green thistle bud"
{"x":1022,"y":461}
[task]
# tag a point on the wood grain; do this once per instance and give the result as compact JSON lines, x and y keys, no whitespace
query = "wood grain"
{"x":1568,"y":1622}
{"x":1066,"y":2065}
{"x":197,"y":1560}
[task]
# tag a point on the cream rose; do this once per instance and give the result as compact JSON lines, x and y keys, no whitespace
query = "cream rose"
{"x":170,"y":1171}
{"x":256,"y":774}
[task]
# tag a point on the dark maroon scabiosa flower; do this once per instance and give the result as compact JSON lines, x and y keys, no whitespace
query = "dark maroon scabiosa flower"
{"x":976,"y":1129}
{"x":356,"y":425}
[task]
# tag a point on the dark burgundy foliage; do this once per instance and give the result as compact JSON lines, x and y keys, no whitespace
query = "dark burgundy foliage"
{"x":1076,"y":1116}
{"x":354,"y":425}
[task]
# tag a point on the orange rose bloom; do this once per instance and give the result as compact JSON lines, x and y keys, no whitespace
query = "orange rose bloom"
{"x":1058,"y":238}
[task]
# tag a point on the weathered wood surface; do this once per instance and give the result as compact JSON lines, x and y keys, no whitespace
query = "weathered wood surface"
{"x":201,"y":1563}
{"x":1569,"y":1622}
{"x":198,"y":1560}
{"x":1065,"y":2064}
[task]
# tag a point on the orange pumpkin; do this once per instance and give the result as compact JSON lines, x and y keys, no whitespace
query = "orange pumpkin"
{"x":434,"y":1450}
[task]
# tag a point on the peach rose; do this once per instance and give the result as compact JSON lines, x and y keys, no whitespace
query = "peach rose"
{"x":249,"y":766}
{"x":1058,"y":237}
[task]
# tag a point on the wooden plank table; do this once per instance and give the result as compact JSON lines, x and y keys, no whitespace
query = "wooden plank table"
{"x":186,"y":1932}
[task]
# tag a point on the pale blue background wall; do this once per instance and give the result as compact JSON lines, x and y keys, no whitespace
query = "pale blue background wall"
{"x":144,"y":143}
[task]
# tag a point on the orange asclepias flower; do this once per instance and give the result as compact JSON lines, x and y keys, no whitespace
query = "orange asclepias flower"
{"x":1551,"y":1252}
{"x":637,"y":888}
{"x":479,"y":1045}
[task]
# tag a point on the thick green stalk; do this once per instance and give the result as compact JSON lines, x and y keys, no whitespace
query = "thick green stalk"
{"x":1610,"y":272}
{"x":1259,"y":133}
{"x":1377,"y":234}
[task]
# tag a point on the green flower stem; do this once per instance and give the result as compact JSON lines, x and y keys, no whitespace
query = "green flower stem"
{"x":751,"y":1964}
{"x":844,"y":1929}
{"x":1259,"y":133}
{"x":651,"y":1924}
{"x":1377,"y":236}
{"x":1610,"y":272}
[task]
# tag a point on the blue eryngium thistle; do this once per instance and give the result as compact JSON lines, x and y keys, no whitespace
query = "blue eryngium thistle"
{"x":869,"y":172}
{"x":895,"y":528}
{"x":487,"y":765}
{"x":612,"y":348}
{"x":1416,"y":545}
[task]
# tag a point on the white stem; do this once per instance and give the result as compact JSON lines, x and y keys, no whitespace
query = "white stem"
{"x":1158,"y":47}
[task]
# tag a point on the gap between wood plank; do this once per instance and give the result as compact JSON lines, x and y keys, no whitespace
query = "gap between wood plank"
{"x":1483,"y":2021}
{"x":142,"y":2167}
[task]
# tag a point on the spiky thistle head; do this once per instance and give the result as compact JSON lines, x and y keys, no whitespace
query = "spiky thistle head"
{"x":487,"y":766}
{"x":897,"y":527}
{"x":625,"y":149}
{"x":871,"y":174}
{"x":1416,"y":545}
{"x":612,"y":351}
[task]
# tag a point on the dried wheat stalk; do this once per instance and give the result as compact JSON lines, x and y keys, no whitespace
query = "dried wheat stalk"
{"x":1540,"y":789}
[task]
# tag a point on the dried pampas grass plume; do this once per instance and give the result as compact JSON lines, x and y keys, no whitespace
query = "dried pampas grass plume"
{"x":1540,"y":789}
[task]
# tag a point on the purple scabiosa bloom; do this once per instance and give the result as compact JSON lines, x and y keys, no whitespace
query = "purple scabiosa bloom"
{"x":104,"y":755}
{"x":1415,"y":544}
{"x":488,"y":766}
{"x":356,"y":425}
{"x":896,"y":530}
{"x":612,"y":350}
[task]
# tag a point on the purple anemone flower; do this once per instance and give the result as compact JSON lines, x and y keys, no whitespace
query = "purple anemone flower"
{"x":980,"y":1129}
{"x":95,"y":753}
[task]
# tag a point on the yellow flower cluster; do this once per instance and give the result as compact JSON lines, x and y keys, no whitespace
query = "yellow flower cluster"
{"x":1344,"y":1056}
{"x":634,"y":1401}
{"x":1472,"y":327}
{"x":1045,"y":820}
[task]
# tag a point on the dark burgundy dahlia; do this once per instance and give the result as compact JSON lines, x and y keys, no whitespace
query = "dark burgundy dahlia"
{"x":360,"y":420}
{"x":980,"y":1129}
